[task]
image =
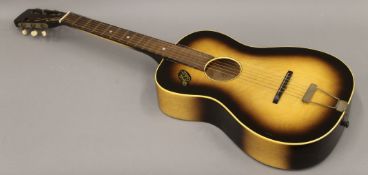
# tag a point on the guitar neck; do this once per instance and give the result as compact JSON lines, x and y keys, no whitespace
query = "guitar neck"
{"x":138,"y":41}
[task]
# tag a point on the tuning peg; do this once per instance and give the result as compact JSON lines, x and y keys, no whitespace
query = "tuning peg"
{"x":34,"y":33}
{"x":44,"y":33}
{"x":24,"y":32}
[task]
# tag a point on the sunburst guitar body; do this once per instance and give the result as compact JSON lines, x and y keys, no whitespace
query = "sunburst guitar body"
{"x":288,"y":134}
{"x":285,"y":107}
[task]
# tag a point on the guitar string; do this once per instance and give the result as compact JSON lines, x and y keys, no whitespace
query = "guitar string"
{"x":110,"y":36}
{"x":271,"y":73}
{"x":296,"y":95}
{"x":213,"y":68}
{"x":291,"y":83}
{"x":216,"y":70}
{"x":94,"y":22}
{"x":267,"y":76}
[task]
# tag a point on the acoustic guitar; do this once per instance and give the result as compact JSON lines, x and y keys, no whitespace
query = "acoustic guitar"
{"x":285,"y":107}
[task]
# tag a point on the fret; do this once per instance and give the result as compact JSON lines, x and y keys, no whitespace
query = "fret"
{"x":166,"y":47}
{"x":155,"y":45}
{"x":128,"y":37}
{"x":140,"y":38}
{"x":92,"y":25}
{"x":124,"y":34}
{"x":111,"y":31}
{"x":144,"y":43}
{"x":81,"y":22}
{"x":119,"y":35}
{"x":106,"y":29}
{"x":133,"y":36}
{"x":182,"y":51}
{"x":100,"y":27}
{"x":69,"y":18}
{"x":78,"y":18}
{"x":122,"y":38}
{"x":116,"y":33}
{"x":87,"y":23}
{"x":96,"y":26}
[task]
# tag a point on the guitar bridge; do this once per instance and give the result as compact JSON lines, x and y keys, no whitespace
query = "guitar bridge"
{"x":282,"y":87}
{"x":341,"y":105}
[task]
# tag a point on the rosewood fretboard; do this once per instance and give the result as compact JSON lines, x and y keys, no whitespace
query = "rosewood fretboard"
{"x":138,"y":41}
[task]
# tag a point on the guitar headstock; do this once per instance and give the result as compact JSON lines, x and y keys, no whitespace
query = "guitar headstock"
{"x":35,"y":21}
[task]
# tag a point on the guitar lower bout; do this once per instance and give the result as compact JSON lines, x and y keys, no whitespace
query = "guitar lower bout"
{"x":288,"y":134}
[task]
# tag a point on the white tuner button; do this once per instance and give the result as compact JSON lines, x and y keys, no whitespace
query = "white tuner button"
{"x":34,"y":33}
{"x":24,"y":32}
{"x":44,"y":33}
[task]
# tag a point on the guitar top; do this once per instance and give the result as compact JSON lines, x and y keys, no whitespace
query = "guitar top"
{"x":285,"y":107}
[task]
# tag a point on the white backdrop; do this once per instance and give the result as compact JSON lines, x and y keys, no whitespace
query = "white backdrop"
{"x":75,"y":104}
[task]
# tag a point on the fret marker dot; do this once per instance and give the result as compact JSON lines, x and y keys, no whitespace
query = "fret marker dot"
{"x":127,"y":37}
{"x":110,"y":31}
{"x":163,"y":48}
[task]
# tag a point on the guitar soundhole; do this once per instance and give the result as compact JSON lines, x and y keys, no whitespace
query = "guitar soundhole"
{"x":222,"y":69}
